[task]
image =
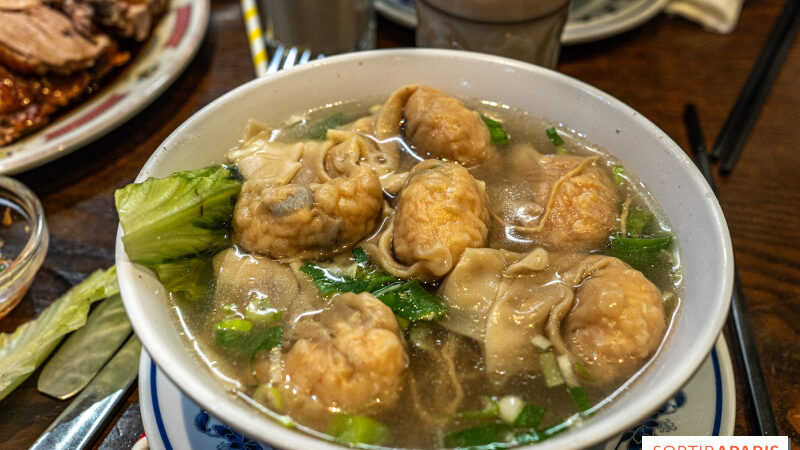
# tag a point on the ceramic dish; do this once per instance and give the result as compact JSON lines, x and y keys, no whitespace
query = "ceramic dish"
{"x":589,"y":20}
{"x":165,"y":55}
{"x":705,"y":406}
{"x":685,"y":197}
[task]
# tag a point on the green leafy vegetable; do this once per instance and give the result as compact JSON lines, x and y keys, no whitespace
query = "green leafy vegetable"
{"x":485,"y":436}
{"x":22,"y":351}
{"x":407,"y":299}
{"x":239,"y":336}
{"x":497,"y":134}
{"x":618,"y":172}
{"x":642,"y":253}
{"x":354,"y":429}
{"x":637,"y":220}
{"x":555,"y":139}
{"x":579,"y":395}
{"x":184,"y":214}
{"x":186,"y":279}
{"x":411,"y":301}
{"x":530,"y":417}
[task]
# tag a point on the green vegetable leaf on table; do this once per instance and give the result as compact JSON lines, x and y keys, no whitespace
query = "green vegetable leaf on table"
{"x":22,"y":351}
{"x":184,"y":214}
{"x":407,"y":299}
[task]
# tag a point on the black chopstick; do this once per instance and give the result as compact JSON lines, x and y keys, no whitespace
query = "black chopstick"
{"x":765,"y":417}
{"x":744,"y":113}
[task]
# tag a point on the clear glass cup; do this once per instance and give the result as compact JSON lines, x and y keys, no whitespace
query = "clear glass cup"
{"x":529,"y":30}
{"x":323,"y":26}
{"x":24,"y":238}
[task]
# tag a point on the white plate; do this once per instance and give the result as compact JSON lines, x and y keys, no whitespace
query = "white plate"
{"x":706,"y":406}
{"x":174,"y":42}
{"x":589,"y":20}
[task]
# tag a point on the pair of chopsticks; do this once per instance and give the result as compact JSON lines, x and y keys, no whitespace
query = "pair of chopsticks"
{"x":743,"y":115}
{"x":255,"y":37}
{"x":759,"y":395}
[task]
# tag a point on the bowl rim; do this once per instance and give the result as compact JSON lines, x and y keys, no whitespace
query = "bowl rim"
{"x":591,"y":431}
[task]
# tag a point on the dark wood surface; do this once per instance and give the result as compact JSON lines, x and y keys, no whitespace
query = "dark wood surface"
{"x":655,"y":69}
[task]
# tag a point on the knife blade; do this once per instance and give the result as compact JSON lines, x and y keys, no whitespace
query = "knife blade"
{"x":85,"y":352}
{"x":82,"y":421}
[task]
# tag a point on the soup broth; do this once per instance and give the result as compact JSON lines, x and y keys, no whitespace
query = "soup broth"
{"x":535,"y":232}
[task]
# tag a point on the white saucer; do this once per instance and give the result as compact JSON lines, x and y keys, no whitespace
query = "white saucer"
{"x":706,"y":406}
{"x":589,"y":20}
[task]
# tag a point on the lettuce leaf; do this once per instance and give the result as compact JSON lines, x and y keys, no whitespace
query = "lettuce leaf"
{"x":185,"y":214}
{"x":22,"y":351}
{"x":187,"y":280}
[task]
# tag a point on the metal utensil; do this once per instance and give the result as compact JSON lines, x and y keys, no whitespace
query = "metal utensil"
{"x":82,"y":421}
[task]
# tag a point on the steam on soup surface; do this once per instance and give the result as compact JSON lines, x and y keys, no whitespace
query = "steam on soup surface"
{"x":426,"y":274}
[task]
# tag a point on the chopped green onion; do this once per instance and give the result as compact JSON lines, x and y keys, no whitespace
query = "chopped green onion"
{"x":579,"y":395}
{"x":260,"y":311}
{"x":421,"y":335}
{"x":530,"y":416}
{"x":561,"y":150}
{"x":582,"y":371}
{"x":541,"y":342}
{"x":552,"y":134}
{"x":266,"y":393}
{"x":490,"y":410}
{"x":354,"y":429}
{"x":361,"y":257}
{"x":481,"y":435}
{"x":497,"y":134}
{"x":510,"y":408}
{"x":552,"y":376}
{"x":232,"y":333}
{"x":619,"y":174}
{"x":565,"y":367}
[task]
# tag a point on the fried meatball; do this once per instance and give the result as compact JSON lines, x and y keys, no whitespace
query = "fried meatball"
{"x":616,"y":323}
{"x":352,"y":358}
{"x":302,"y":219}
{"x":441,"y":212}
{"x":440,"y":126}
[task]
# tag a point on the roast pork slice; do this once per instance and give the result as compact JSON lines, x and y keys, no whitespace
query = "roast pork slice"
{"x":127,"y":18}
{"x":38,"y":39}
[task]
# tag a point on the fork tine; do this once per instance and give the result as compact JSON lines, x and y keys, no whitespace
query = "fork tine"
{"x":275,"y":62}
{"x":304,"y":57}
{"x":290,"y":58}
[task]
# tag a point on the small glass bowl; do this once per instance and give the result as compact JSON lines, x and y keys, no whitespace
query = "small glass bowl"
{"x":23,"y":241}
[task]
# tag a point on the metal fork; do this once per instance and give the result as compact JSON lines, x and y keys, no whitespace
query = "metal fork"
{"x":283,"y":58}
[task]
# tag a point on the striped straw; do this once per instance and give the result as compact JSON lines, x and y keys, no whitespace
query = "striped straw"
{"x":255,"y":37}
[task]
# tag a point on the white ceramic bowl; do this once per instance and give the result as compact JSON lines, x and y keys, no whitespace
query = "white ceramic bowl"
{"x":688,"y":201}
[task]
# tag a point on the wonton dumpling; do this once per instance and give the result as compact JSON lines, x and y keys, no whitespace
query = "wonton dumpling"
{"x":441,"y":211}
{"x":299,"y":219}
{"x":574,"y":204}
{"x":351,"y":358}
{"x":238,"y":275}
{"x":437,"y":125}
{"x":617,"y":320}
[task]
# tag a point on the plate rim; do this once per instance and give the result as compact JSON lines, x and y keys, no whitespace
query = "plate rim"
{"x":100,"y":114}
{"x":575,"y":32}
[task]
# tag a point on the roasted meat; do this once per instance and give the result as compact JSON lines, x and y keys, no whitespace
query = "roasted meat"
{"x":53,"y":52}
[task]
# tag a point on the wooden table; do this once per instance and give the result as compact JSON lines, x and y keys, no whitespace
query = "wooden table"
{"x":655,"y":69}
